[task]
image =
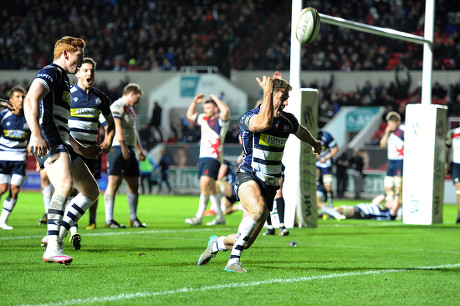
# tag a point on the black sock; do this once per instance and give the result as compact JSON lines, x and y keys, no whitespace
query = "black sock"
{"x":280,"y":208}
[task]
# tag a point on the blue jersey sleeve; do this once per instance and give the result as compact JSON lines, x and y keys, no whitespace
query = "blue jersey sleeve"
{"x":246,"y":118}
{"x":105,"y":107}
{"x":48,"y":76}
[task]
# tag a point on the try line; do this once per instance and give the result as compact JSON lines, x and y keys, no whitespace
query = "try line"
{"x":126,"y":296}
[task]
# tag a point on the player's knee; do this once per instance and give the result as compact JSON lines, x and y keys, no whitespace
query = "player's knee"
{"x":388,"y":182}
{"x":327,"y":179}
{"x":398,"y":181}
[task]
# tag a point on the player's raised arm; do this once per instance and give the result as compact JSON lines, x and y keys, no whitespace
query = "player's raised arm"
{"x":191,"y":111}
{"x":263,"y":120}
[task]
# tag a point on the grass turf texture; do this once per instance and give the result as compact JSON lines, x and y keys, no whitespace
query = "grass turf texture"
{"x":348,"y":262}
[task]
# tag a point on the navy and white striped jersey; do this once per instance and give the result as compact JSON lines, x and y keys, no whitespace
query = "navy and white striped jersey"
{"x":85,"y":111}
{"x":374,"y":211}
{"x":328,"y":143}
{"x":55,"y":107}
{"x":263,"y":151}
{"x":14,"y":136}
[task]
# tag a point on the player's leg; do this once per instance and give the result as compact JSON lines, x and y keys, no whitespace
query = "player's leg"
{"x":455,"y":174}
{"x":58,"y":168}
{"x":47,"y":193}
{"x":10,"y":202}
{"x":327,"y":181}
{"x":114,"y":182}
{"x":88,"y":192}
{"x":457,"y":192}
{"x":346,"y":210}
{"x":254,"y":202}
{"x":210,"y":189}
{"x":133,"y":200}
{"x":4,"y":181}
{"x":116,"y":168}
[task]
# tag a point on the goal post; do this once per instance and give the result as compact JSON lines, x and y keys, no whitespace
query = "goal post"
{"x":295,"y":67}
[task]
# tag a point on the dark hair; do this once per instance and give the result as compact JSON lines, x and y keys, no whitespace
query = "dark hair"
{"x":211,"y":101}
{"x":17,"y":88}
{"x":88,"y":60}
{"x":281,"y":83}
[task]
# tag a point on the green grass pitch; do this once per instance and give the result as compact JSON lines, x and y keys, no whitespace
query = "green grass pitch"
{"x":351,"y":262}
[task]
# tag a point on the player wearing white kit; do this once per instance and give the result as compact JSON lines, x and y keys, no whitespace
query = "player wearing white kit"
{"x":121,"y":160}
{"x":13,"y":152}
{"x":453,"y":145}
{"x":393,"y":138}
{"x":214,"y":125}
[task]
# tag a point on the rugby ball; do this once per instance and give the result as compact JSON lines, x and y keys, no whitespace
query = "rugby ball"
{"x":308,"y":25}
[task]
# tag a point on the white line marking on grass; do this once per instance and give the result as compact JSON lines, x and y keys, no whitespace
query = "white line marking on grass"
{"x":126,"y":296}
{"x":122,"y":232}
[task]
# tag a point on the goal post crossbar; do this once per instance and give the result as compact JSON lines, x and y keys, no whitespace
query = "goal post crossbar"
{"x":337,"y":21}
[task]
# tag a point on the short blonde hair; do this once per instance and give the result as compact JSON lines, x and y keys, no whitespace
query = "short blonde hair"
{"x":132,"y":87}
{"x":69,"y":43}
{"x":393,"y":116}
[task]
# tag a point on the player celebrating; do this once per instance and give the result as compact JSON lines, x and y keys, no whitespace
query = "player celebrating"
{"x":47,"y":110}
{"x":13,"y":151}
{"x":88,"y":104}
{"x":324,"y":163}
{"x":393,"y":138}
{"x":214,"y":126}
{"x":264,"y":131}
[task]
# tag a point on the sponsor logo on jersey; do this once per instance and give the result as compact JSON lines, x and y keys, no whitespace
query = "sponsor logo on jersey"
{"x":16,"y":134}
{"x":66,"y":97}
{"x":45,"y":76}
{"x":84,"y":112}
{"x":272,"y":141}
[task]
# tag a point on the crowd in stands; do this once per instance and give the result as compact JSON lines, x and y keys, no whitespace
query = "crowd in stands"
{"x":394,"y":96}
{"x":242,"y":34}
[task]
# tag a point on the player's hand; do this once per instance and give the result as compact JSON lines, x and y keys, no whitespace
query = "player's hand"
{"x":38,"y":145}
{"x":266,"y":83}
{"x":10,"y":105}
{"x":125,"y":153}
{"x":105,"y":146}
{"x":277,"y":75}
{"x":199,"y":99}
{"x":317,"y":147}
{"x":141,"y":156}
{"x":91,"y":152}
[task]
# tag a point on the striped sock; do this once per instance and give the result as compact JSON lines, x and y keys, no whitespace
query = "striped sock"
{"x":55,"y":215}
{"x":244,"y":231}
{"x":73,"y":213}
